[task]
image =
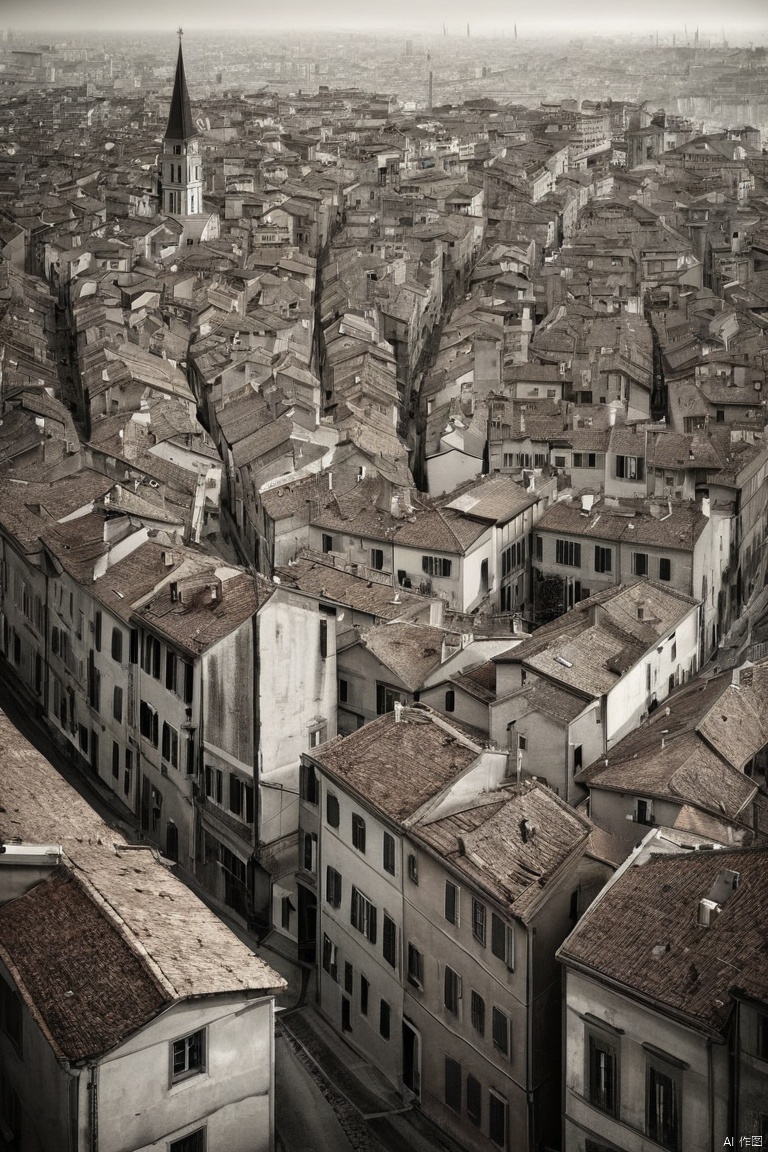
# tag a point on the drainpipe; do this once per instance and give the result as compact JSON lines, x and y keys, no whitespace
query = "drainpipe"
{"x":531,"y":999}
{"x":93,"y":1109}
{"x":710,"y":1096}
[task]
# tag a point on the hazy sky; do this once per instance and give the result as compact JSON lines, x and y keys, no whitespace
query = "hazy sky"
{"x":492,"y":16}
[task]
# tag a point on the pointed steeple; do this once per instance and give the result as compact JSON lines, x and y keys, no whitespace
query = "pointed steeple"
{"x":180,"y":123}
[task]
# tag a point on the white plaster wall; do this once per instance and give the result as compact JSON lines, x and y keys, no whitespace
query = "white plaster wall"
{"x":139,"y":1109}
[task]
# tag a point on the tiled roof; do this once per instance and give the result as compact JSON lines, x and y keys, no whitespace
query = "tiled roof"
{"x":411,"y":651}
{"x":317,"y":575}
{"x":398,"y":764}
{"x":642,"y":934}
{"x":190,"y":951}
{"x":80,"y":977}
{"x":497,"y":500}
{"x":588,"y":648}
{"x":628,"y":523}
{"x":509,"y":842}
{"x":442,"y":529}
{"x":202,"y":619}
{"x":479,"y":681}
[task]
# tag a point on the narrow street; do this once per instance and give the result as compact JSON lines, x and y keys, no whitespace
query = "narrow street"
{"x":304,"y":1119}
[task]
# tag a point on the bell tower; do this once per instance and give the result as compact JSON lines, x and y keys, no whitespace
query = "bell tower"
{"x":182,"y":173}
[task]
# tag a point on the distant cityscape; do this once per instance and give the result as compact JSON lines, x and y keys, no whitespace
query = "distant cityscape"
{"x":383,"y":590}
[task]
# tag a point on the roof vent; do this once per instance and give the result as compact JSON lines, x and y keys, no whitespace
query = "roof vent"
{"x":527,"y":830}
{"x":562,"y":660}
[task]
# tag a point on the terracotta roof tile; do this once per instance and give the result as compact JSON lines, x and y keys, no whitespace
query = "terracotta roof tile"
{"x":642,"y":934}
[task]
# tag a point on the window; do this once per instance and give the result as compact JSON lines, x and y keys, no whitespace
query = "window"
{"x":415,"y":967}
{"x":603,"y":1080}
{"x":10,"y":1012}
{"x":450,"y":700}
{"x":500,"y":1031}
{"x":133,"y":654}
{"x":330,"y":957}
{"x":117,"y":702}
{"x":115,"y":759}
{"x":324,"y":639}
{"x":502,"y":941}
{"x":720,"y":416}
{"x":333,"y":887}
{"x":497,"y":1119}
{"x":363,"y":915}
{"x":309,"y":855}
{"x":389,"y":942}
{"x":214,"y":784}
{"x":522,"y":743}
{"x":474,"y":1101}
{"x":567,"y":552}
{"x":377,"y":559}
{"x":630,"y":467}
{"x":386,"y":698}
{"x":477,"y":1005}
{"x":413,"y":869}
{"x":318,"y":735}
{"x":665,"y":568}
{"x":343,"y":691}
{"x":662,"y":1103}
{"x":603,"y":559}
{"x":384,"y":1020}
{"x":170,"y":670}
{"x":309,"y":785}
{"x":451,"y":990}
{"x":453,"y":1084}
{"x":189,"y":682}
{"x":478,"y":921}
{"x":151,"y":662}
{"x":577,"y":757}
{"x":326,"y":542}
{"x":451,"y":903}
{"x":286,"y":907}
{"x":10,"y":1112}
{"x":364,"y":986}
{"x":128,"y":772}
{"x":436,"y":566}
{"x":148,"y":723}
{"x":358,"y":832}
{"x":170,"y":745}
{"x":188,"y":1056}
{"x":192,"y":1142}
{"x":349,"y":978}
{"x":539,"y":547}
{"x":332,"y":810}
{"x":762,"y":1035}
{"x":117,"y":645}
{"x":389,"y":853}
{"x":640,"y":563}
{"x":643,"y":811}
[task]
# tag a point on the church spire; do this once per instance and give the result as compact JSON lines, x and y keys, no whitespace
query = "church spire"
{"x":180,"y":123}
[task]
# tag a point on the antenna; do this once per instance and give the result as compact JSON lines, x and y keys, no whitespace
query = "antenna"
{"x":180,"y":33}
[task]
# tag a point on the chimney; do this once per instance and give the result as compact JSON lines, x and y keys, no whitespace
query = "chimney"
{"x":398,"y":712}
{"x":707,"y":913}
{"x":330,"y":481}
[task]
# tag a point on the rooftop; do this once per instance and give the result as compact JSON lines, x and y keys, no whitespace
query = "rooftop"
{"x":400,"y":760}
{"x":508,"y":842}
{"x":642,"y":934}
